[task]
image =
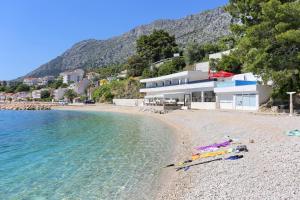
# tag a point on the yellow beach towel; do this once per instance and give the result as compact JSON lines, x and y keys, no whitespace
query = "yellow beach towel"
{"x":209,"y":154}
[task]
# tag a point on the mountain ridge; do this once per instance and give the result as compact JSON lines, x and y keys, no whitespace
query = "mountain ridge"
{"x":203,"y":27}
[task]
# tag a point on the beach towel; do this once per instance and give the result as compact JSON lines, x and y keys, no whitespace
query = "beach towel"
{"x":236,"y":157}
{"x":209,"y":154}
{"x":214,"y":146}
{"x":201,"y":163}
{"x":295,"y":132}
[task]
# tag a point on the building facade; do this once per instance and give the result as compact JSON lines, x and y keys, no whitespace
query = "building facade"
{"x":30,"y":81}
{"x":80,"y":87}
{"x":72,"y":76}
{"x":197,"y":90}
{"x":59,"y":93}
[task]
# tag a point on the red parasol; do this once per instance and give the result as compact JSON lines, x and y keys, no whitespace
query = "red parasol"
{"x":220,"y":74}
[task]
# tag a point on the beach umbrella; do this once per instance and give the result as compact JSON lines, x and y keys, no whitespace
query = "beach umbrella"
{"x":221,"y":74}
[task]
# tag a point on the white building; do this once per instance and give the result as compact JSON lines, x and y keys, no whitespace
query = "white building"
{"x":219,"y":54}
{"x":194,"y":89}
{"x":30,"y":81}
{"x":45,"y":80}
{"x":80,"y":87}
{"x":59,"y":93}
{"x":72,"y":76}
{"x":242,"y":92}
{"x":36,"y":94}
{"x":22,"y":95}
{"x":2,"y":96}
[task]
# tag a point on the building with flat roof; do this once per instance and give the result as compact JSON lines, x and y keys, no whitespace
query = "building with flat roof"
{"x":192,"y":89}
{"x":201,"y":90}
{"x":72,"y":76}
{"x":30,"y":81}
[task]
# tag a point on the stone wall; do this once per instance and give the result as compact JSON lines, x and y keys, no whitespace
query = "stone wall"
{"x":128,"y":102}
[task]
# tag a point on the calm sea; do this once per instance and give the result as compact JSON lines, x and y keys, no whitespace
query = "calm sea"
{"x":80,"y":155}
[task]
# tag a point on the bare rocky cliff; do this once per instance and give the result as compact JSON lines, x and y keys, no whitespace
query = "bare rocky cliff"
{"x":203,"y":27}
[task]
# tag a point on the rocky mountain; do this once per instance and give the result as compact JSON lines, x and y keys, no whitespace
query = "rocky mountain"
{"x":203,"y":27}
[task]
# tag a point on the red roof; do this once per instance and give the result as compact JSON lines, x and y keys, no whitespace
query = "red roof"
{"x":221,"y":74}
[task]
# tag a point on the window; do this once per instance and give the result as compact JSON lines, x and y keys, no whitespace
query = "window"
{"x":246,"y":100}
{"x":196,"y":97}
{"x":209,"y":96}
{"x":175,"y":82}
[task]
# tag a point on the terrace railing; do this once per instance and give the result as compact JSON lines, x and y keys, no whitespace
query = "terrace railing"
{"x":174,"y":84}
{"x":235,"y":83}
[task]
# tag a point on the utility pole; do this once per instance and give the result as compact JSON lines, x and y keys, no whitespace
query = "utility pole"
{"x":291,"y":103}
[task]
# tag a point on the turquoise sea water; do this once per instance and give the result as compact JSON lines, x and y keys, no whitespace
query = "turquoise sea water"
{"x":80,"y":155}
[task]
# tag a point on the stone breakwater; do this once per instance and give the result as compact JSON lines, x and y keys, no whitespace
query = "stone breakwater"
{"x":26,"y":106}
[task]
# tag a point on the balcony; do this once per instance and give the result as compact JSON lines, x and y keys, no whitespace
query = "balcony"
{"x":174,"y":84}
{"x":192,"y":85}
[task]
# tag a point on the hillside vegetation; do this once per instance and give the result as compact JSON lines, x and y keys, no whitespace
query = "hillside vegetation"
{"x":202,"y":28}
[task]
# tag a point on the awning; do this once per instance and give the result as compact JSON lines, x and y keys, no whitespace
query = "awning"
{"x":221,"y":74}
{"x":166,"y":95}
{"x":173,"y":95}
{"x":159,"y":96}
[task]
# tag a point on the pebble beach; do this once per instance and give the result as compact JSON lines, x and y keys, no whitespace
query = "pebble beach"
{"x":270,"y":170}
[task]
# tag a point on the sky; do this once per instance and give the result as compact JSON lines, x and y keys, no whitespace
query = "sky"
{"x":33,"y":32}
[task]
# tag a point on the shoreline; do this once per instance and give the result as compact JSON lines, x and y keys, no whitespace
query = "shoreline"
{"x":167,"y":178}
{"x":270,"y":170}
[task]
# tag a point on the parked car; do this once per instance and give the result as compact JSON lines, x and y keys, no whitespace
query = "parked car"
{"x":89,"y":102}
{"x":62,"y":103}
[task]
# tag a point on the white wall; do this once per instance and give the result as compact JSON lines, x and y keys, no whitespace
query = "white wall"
{"x":264,"y":93}
{"x":203,"y":105}
{"x":59,"y":93}
{"x":204,"y":66}
{"x":128,"y":102}
{"x":81,"y":86}
{"x":219,"y":54}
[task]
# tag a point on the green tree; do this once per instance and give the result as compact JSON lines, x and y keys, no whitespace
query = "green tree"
{"x":70,"y":95}
{"x":135,"y":65}
{"x":103,"y":93}
{"x":156,"y":46}
{"x":10,"y":89}
{"x":193,"y":53}
{"x":269,"y":40}
{"x":2,"y":88}
{"x":108,"y":71}
{"x":45,"y":94}
{"x":173,"y":66}
{"x":56,"y":84}
{"x":22,"y":88}
{"x":147,"y":73}
{"x":229,"y":63}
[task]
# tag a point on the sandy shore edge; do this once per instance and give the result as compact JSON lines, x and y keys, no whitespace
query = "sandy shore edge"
{"x":270,"y":170}
{"x":168,"y":178}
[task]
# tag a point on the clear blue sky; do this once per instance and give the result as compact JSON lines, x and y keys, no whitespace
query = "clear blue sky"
{"x":34,"y":31}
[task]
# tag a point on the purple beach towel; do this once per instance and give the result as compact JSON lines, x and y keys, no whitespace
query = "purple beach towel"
{"x":213,"y":146}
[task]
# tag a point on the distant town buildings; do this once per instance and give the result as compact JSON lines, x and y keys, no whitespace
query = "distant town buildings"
{"x":92,"y":76}
{"x":45,"y":80}
{"x":22,"y":96}
{"x":2,"y":96}
{"x":72,"y":76}
{"x":38,"y":81}
{"x":59,"y":93}
{"x":30,"y":81}
{"x":80,"y":87}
